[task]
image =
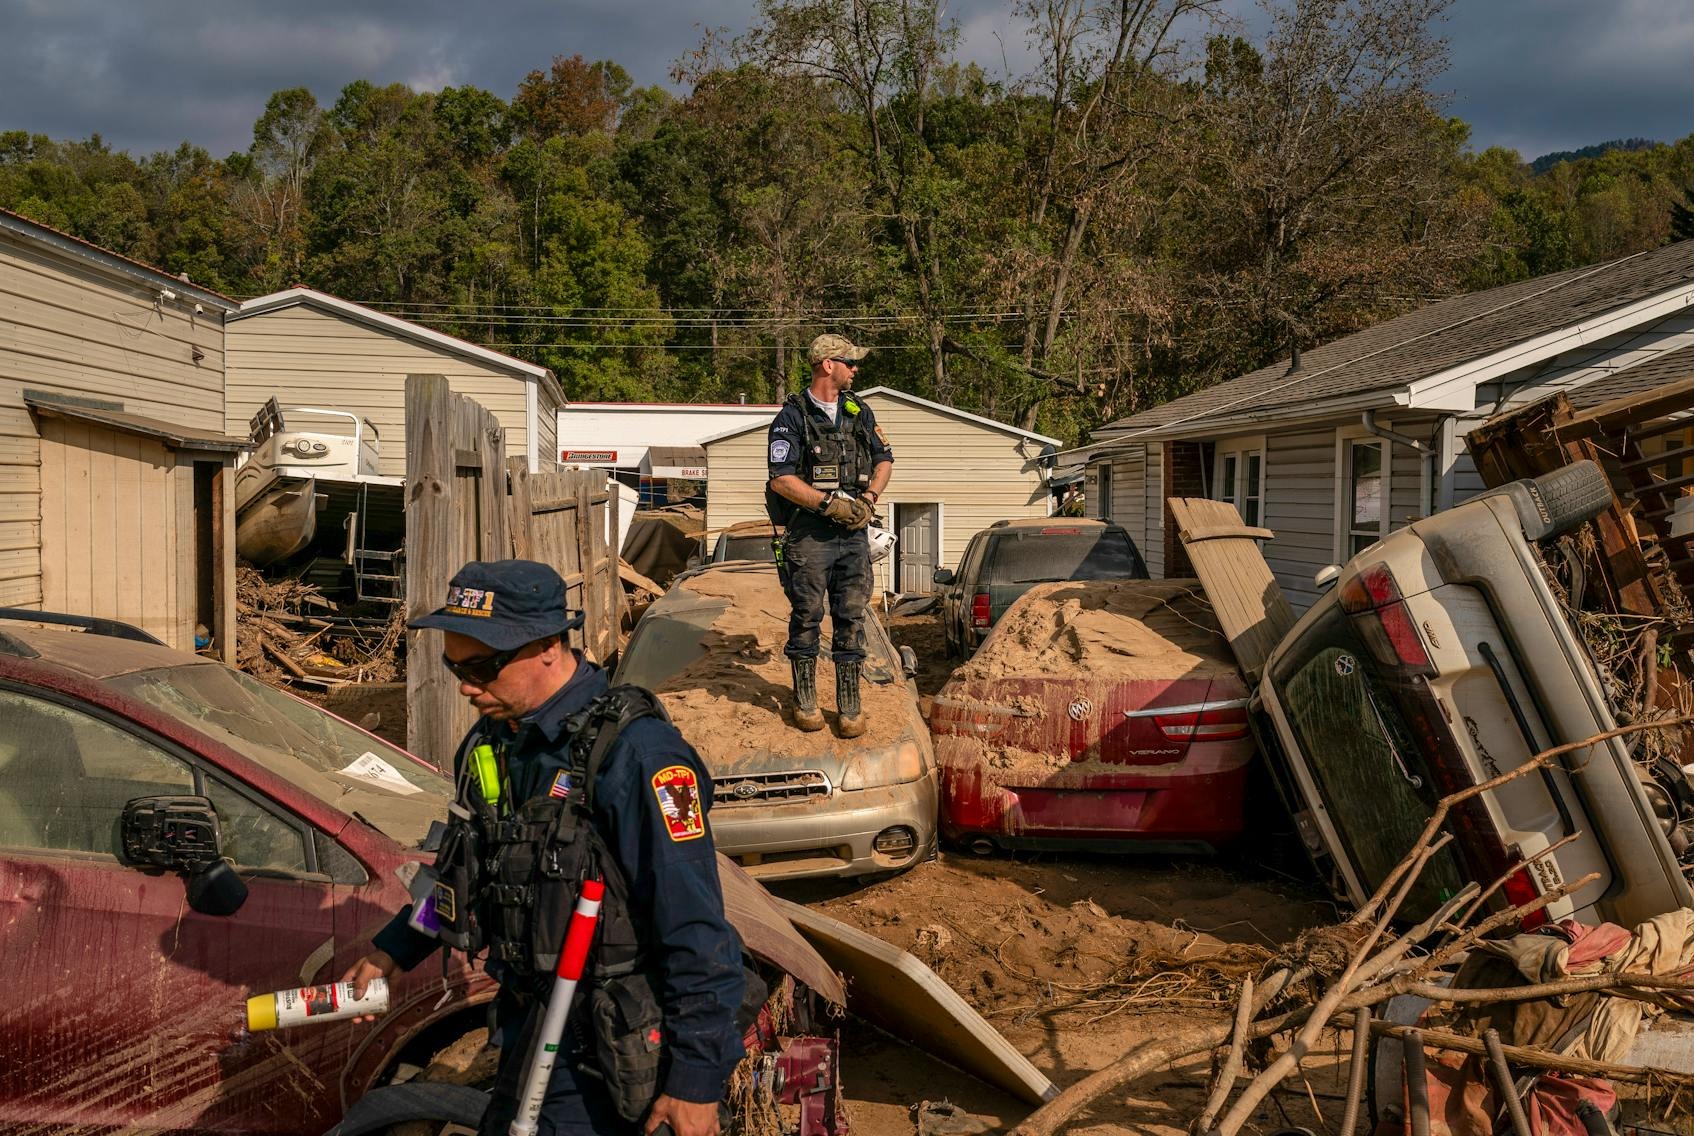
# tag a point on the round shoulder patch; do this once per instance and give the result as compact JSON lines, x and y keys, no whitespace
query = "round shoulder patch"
{"x":780,"y":449}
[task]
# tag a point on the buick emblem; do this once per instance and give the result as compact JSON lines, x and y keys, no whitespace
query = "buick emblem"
{"x":1080,"y":709}
{"x":745,"y":790}
{"x":1344,"y":665}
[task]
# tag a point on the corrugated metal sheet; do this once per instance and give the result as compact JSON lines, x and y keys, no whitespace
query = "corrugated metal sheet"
{"x":975,"y":473}
{"x":306,"y":357}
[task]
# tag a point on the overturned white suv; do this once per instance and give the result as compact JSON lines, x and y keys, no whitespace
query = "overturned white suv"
{"x":1442,"y":658}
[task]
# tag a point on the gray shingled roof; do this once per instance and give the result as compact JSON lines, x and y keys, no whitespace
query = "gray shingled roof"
{"x":1661,"y":370}
{"x":1393,"y":354}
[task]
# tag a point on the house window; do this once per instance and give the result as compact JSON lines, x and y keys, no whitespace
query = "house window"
{"x":1238,"y":476}
{"x":1366,"y":490}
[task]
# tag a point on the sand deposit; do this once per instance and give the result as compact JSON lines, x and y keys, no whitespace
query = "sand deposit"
{"x":1111,"y":629}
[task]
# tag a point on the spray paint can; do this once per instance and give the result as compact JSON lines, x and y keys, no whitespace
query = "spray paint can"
{"x":302,"y":1004}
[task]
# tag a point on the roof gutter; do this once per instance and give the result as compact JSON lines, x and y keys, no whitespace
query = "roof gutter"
{"x":1368,"y":420}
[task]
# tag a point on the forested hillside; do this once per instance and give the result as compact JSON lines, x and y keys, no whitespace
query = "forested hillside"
{"x":1157,"y":203}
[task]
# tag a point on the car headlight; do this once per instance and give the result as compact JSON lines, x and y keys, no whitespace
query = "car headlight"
{"x":905,"y":762}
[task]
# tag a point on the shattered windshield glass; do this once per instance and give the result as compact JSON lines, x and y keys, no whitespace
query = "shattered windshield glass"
{"x":272,"y":727}
{"x":1359,"y":751}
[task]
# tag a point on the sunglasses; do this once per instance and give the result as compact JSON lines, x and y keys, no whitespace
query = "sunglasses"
{"x":853,"y":363}
{"x":481,"y":671}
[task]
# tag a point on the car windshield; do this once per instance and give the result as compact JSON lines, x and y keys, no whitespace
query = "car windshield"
{"x":1043,"y":555}
{"x":265,"y":723}
{"x":1357,"y":747}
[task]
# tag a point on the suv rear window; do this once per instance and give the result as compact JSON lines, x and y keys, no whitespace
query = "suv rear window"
{"x":1036,"y":556}
{"x":1370,"y":775}
{"x":748,"y":548}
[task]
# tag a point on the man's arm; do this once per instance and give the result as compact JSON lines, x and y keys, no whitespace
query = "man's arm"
{"x":791,"y":487}
{"x":657,"y":819}
{"x":879,"y":477}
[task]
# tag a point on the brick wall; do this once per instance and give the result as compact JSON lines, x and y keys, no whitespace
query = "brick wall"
{"x":1185,"y":476}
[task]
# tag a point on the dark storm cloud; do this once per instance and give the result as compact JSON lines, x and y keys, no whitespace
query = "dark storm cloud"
{"x":1542,"y":75}
{"x":149,"y":74}
{"x":1536,"y":75}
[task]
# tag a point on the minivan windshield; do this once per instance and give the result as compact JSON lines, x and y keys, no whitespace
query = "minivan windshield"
{"x":1037,"y":556}
{"x":1357,"y":747}
{"x":308,"y":745}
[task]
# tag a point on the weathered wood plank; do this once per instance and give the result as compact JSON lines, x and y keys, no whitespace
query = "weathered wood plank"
{"x":1250,"y":607}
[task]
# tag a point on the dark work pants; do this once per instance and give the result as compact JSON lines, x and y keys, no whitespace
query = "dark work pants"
{"x":829,"y":565}
{"x":576,"y":1104}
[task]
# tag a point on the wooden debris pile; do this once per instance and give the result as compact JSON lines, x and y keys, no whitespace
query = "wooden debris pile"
{"x":288,"y":632}
{"x":1344,"y":976}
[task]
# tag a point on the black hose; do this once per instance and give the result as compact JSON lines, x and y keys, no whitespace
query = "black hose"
{"x":1356,"y":1071}
{"x":1417,"y":1082}
{"x":1504,"y":1082}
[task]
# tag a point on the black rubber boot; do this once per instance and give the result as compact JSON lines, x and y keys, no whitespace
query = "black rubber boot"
{"x":852,"y":719}
{"x":806,"y":713}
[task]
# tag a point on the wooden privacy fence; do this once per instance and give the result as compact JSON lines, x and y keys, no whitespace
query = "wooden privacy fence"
{"x":465,"y":501}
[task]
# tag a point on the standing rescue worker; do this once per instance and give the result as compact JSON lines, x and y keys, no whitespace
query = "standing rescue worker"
{"x":828,"y":462}
{"x":554,"y":746}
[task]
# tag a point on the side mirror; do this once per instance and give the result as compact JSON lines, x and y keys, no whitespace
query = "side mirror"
{"x":942,"y":576}
{"x":908,"y":661}
{"x":180,"y":834}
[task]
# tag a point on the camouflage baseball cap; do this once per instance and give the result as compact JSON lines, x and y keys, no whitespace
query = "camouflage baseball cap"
{"x":836,"y":347}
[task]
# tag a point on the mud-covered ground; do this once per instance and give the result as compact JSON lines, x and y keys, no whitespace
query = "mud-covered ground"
{"x":1075,"y":959}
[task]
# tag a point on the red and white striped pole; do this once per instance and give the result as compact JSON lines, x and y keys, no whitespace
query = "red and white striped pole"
{"x":573,"y":957}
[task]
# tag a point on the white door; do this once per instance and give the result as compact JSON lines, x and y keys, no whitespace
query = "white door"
{"x":917,"y":553}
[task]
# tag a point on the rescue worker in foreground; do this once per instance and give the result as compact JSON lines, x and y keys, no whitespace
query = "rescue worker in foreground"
{"x":645,"y":800}
{"x":828,"y":462}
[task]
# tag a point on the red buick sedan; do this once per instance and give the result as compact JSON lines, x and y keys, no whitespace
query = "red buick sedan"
{"x":1098,"y":714}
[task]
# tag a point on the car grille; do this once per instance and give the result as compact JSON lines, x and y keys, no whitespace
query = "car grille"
{"x":772,"y":788}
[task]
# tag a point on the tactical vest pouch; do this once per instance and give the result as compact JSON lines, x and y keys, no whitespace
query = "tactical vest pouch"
{"x":629,"y":1040}
{"x":456,"y":868}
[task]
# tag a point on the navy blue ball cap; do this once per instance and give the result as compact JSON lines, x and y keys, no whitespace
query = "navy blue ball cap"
{"x":503,"y":604}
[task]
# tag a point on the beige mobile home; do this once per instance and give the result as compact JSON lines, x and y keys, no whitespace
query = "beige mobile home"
{"x":113,"y":461}
{"x":310,"y":349}
{"x":954,"y":473}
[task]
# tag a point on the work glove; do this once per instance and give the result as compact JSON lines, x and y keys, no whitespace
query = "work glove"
{"x":865,"y":513}
{"x":846,"y":510}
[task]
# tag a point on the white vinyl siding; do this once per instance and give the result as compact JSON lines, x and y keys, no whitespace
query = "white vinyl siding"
{"x":69,"y":328}
{"x":1300,"y":493}
{"x":1152,"y":537}
{"x":976,"y":473}
{"x":1135,"y":475}
{"x":303,"y":356}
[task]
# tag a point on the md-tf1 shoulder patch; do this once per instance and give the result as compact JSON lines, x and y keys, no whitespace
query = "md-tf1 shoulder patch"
{"x":678,"y":794}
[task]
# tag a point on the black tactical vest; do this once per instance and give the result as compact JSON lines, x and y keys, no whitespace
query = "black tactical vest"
{"x":833,"y":455}
{"x":515,"y":877}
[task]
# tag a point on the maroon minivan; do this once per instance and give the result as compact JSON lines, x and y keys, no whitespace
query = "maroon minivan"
{"x":127,"y":990}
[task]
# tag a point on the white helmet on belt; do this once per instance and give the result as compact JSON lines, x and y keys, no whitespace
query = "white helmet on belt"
{"x":882,"y":542}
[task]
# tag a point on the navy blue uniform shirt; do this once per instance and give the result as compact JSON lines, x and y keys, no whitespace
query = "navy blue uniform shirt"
{"x":675,"y":897}
{"x":787,"y":434}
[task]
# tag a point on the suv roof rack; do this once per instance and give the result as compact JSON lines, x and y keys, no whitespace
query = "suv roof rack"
{"x":93,"y":625}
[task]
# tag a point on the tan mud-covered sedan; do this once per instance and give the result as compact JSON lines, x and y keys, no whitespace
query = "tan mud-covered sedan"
{"x":787,"y":804}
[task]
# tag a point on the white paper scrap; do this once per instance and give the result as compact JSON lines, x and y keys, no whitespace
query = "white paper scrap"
{"x":372,"y":769}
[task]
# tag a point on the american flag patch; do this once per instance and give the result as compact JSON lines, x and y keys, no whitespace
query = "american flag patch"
{"x":561,"y":784}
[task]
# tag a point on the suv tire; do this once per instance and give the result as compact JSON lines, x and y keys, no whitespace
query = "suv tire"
{"x":1559,"y":501}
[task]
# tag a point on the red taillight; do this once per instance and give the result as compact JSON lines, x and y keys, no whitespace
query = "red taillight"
{"x":1520,"y":889}
{"x":1211,"y":724}
{"x":980,"y":615}
{"x":1372,"y":598}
